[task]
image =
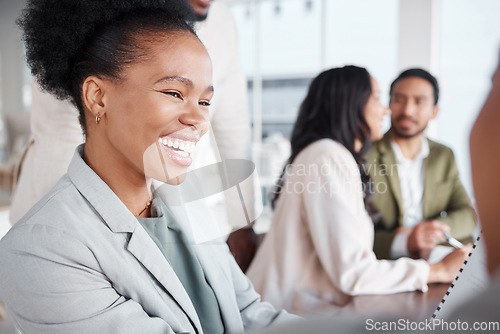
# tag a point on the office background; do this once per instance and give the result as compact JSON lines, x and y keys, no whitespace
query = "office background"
{"x":285,"y":43}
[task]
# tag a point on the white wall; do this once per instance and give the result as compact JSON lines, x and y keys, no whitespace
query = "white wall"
{"x":456,"y":40}
{"x":12,"y":66}
{"x":469,"y":34}
{"x":12,"y":58}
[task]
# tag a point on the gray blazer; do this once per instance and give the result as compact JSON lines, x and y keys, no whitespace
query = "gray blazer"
{"x":79,"y":262}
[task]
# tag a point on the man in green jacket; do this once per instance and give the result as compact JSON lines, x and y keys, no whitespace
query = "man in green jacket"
{"x":417,"y":187}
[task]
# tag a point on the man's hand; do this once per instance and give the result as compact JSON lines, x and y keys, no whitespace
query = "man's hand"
{"x":424,"y":237}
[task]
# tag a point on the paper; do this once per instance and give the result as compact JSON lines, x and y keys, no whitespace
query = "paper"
{"x":471,"y":280}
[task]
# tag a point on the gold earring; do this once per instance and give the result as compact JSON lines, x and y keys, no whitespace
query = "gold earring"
{"x":97,"y":118}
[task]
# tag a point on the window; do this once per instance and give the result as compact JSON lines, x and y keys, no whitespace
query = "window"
{"x":284,"y":44}
{"x":469,"y":45}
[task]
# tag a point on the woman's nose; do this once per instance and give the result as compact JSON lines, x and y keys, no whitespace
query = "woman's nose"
{"x":196,"y":116}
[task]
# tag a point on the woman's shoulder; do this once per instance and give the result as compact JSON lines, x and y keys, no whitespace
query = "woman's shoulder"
{"x":326,"y":149}
{"x":63,"y":209}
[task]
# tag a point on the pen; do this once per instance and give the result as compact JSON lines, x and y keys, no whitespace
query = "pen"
{"x":452,"y":241}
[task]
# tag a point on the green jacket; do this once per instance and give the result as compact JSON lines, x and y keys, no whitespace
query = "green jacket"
{"x":445,"y":198}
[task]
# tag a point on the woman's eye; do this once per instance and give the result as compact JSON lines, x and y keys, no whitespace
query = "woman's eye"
{"x":204,"y":103}
{"x":174,"y":94}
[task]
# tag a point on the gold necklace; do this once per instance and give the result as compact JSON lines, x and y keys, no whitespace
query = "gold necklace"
{"x":145,"y":208}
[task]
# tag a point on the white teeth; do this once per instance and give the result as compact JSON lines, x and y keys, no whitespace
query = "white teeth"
{"x":184,"y":148}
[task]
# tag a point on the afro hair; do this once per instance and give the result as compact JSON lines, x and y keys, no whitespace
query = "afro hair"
{"x":56,"y":32}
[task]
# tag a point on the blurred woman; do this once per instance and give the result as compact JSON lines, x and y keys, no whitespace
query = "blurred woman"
{"x":105,"y":251}
{"x":319,"y":248}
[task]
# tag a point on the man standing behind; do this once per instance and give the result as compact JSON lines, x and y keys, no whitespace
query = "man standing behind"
{"x":229,"y":137}
{"x":418,"y":190}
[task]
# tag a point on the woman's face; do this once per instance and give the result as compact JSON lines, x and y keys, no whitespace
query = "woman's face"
{"x":374,"y":111}
{"x":157,"y":112}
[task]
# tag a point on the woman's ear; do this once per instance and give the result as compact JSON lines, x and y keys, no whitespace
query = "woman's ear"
{"x":92,"y":96}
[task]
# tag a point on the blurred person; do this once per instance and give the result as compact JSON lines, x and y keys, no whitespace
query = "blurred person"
{"x":319,"y":250}
{"x":485,"y":159}
{"x":109,"y":249}
{"x":56,"y":131}
{"x":481,"y":310}
{"x":229,"y":136}
{"x":418,"y":190}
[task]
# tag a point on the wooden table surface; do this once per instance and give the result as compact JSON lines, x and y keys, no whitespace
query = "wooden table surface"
{"x":415,"y":306}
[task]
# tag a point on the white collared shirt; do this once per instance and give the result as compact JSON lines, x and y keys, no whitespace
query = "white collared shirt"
{"x":411,"y":179}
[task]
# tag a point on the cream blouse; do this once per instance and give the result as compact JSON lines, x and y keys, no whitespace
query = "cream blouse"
{"x":318,"y":251}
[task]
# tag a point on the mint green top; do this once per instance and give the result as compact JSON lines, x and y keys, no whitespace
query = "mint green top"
{"x":172,"y":242}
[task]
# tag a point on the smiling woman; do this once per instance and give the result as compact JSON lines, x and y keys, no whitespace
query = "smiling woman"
{"x":174,"y":88}
{"x":106,"y":251}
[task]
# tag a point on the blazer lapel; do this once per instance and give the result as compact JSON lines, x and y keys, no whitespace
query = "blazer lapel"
{"x":193,"y":218}
{"x":388,"y":161}
{"x":430,"y":182}
{"x":120,"y":220}
{"x":214,"y":274}
{"x":146,"y":252}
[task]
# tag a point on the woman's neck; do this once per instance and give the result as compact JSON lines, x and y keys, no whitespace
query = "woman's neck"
{"x":131,"y":186}
{"x":357,"y":145}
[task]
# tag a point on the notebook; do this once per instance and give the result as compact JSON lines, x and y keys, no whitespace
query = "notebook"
{"x":472,"y":279}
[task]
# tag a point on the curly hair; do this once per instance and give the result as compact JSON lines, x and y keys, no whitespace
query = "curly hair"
{"x":70,"y":40}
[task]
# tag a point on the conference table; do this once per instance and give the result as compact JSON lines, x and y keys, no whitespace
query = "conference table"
{"x":414,"y":306}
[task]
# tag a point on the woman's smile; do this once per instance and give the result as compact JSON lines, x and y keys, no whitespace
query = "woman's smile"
{"x":178,"y":147}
